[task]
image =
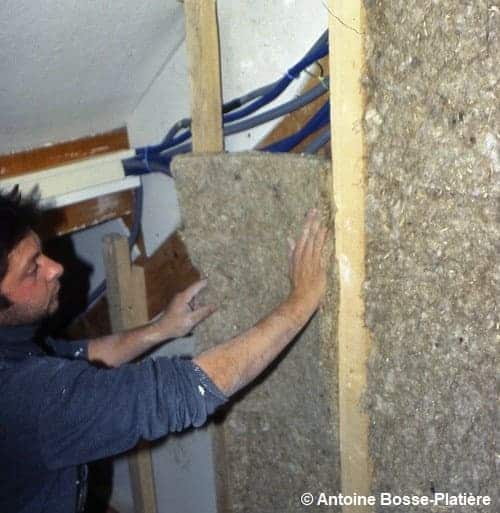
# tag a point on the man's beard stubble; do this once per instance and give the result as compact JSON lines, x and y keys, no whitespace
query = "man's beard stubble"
{"x":18,"y":315}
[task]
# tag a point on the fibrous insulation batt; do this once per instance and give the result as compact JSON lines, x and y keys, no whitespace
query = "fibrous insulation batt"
{"x":433,"y":232}
{"x":280,"y":435}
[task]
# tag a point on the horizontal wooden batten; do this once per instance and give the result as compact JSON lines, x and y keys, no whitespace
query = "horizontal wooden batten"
{"x":62,"y":221}
{"x":70,"y":218}
{"x":62,"y":153}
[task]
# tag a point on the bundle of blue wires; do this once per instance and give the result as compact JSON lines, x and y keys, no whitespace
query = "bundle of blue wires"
{"x":157,"y":158}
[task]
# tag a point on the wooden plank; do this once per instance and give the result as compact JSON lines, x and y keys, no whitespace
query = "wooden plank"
{"x":81,"y":215}
{"x":346,"y":22}
{"x":126,"y":292}
{"x":202,"y":39}
{"x":87,"y":213}
{"x":63,"y":153}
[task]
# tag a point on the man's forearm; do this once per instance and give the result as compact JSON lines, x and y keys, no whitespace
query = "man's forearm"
{"x":176,"y":321}
{"x":124,"y":346}
{"x":235,"y":363}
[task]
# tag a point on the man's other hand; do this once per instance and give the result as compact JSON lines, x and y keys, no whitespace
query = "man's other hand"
{"x":183,"y":314}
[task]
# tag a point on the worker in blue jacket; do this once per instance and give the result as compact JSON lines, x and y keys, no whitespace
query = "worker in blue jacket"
{"x":64,"y":404}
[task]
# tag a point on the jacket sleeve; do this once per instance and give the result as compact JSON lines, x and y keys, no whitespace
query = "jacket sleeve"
{"x":74,"y":349}
{"x":88,"y":413}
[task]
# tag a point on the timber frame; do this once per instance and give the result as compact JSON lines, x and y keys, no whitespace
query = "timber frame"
{"x":347,"y":103}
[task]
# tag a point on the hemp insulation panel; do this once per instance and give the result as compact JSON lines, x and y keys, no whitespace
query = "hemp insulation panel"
{"x":433,"y":278}
{"x":281,"y":435}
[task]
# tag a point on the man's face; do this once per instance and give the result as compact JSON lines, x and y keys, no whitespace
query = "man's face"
{"x":31,"y":283}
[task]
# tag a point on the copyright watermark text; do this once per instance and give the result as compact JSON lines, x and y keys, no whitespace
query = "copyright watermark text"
{"x":388,"y":499}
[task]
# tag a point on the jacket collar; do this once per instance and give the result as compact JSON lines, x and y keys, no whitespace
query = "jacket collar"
{"x":20,"y":340}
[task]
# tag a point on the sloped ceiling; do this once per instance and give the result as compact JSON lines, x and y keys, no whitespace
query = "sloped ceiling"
{"x":71,"y":68}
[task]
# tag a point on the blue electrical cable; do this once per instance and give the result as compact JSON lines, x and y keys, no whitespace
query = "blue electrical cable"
{"x":320,"y":119}
{"x":322,"y":139}
{"x":135,"y":167}
{"x":290,"y":75}
{"x":234,"y":104}
{"x":171,"y":140}
{"x":260,"y":119}
{"x":282,"y":110}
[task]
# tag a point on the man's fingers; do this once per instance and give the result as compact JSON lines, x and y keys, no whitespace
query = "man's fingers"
{"x":320,"y":241}
{"x":291,"y":249}
{"x":193,"y":290}
{"x":201,"y":314}
{"x":299,"y":246}
{"x":307,"y":252}
{"x":311,"y":240}
{"x":301,"y":243}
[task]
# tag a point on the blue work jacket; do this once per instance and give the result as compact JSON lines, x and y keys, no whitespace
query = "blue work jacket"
{"x":59,"y":412}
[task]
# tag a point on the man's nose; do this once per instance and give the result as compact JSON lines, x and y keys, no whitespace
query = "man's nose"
{"x":53,"y":269}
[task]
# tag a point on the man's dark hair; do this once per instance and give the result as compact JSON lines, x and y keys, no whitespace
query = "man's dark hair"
{"x":18,"y":215}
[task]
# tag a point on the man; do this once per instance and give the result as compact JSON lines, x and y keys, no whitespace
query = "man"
{"x":63,"y":404}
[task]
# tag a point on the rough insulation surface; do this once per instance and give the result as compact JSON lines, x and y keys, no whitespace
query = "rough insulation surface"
{"x":433,"y":214}
{"x":280,"y":436}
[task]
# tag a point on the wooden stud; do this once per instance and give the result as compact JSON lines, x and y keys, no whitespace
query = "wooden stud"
{"x":202,"y":39}
{"x":346,"y":23}
{"x":126,"y":293}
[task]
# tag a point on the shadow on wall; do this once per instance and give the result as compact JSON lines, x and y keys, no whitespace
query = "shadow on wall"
{"x":75,"y":282}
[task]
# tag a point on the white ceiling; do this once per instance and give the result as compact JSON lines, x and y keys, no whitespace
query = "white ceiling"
{"x":71,"y":68}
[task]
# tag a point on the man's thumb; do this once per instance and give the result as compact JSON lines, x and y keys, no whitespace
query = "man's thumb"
{"x":202,"y":313}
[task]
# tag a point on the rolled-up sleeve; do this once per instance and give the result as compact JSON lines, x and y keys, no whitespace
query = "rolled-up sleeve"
{"x":89,"y":413}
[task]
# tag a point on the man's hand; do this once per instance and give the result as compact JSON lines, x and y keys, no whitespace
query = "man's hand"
{"x":307,"y":265}
{"x":177,"y":320}
{"x":183,"y":314}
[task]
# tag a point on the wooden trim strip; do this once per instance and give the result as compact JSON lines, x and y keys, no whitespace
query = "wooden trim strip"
{"x":346,"y":23}
{"x":63,"y":153}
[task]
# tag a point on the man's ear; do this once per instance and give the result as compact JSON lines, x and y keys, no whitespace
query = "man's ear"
{"x":4,"y":302}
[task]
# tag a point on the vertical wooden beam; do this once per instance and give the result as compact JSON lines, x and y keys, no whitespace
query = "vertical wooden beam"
{"x":346,"y":26}
{"x":126,"y":293}
{"x":202,"y":38}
